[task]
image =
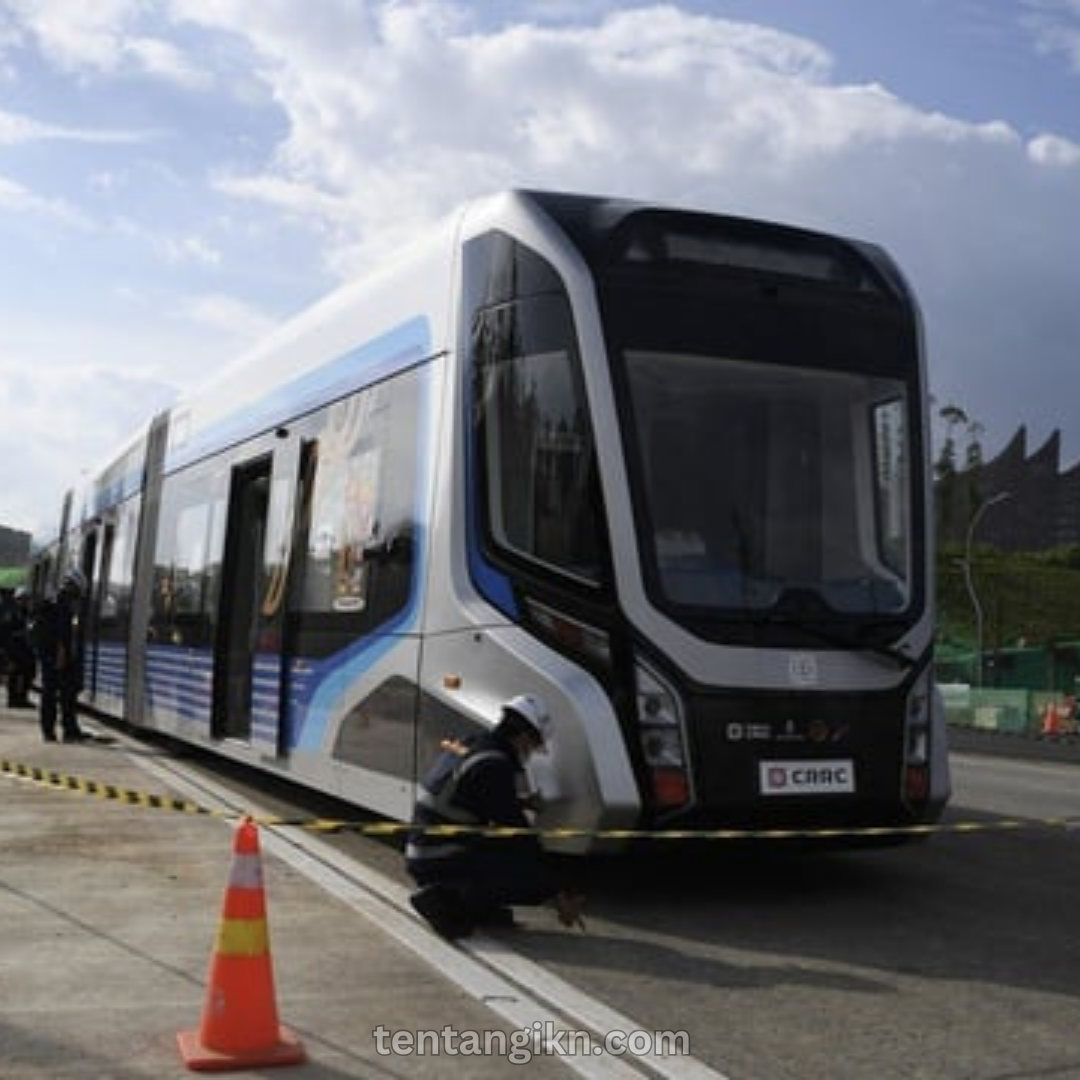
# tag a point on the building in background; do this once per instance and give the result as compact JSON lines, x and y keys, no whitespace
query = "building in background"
{"x":14,"y":547}
{"x":1042,"y":510}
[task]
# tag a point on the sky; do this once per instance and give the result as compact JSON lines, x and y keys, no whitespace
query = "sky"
{"x":177,"y":177}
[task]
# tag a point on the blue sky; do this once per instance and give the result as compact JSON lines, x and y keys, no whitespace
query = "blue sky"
{"x":179,"y":176}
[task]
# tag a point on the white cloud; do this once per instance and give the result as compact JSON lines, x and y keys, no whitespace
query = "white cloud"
{"x":16,"y":129}
{"x":414,"y":108}
{"x":418,"y":108}
{"x":171,"y":248}
{"x":119,"y":372}
{"x":290,"y":196}
{"x":190,"y":249}
{"x":17,"y":199}
{"x":393,"y":112}
{"x":397,"y":111}
{"x":1056,"y":26}
{"x":161,"y":59}
{"x":78,"y":37}
{"x":104,"y":37}
{"x":237,"y":320}
{"x":45,"y":408}
{"x":1054,"y":150}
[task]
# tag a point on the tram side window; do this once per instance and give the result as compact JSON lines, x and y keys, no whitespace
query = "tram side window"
{"x":187,"y":563}
{"x":359,"y":515}
{"x":115,"y":613}
{"x":535,"y":446}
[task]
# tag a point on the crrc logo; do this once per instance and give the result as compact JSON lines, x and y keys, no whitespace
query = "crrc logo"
{"x":836,"y":777}
{"x":777,"y":778}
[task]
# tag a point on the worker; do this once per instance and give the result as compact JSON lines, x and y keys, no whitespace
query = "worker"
{"x":55,"y":637}
{"x":470,"y":880}
{"x":22,"y":663}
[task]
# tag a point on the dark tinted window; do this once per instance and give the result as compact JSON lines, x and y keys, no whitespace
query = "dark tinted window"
{"x":535,"y":448}
{"x":358,"y":506}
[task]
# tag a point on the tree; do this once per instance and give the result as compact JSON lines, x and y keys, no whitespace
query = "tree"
{"x":973,"y":455}
{"x":945,"y":468}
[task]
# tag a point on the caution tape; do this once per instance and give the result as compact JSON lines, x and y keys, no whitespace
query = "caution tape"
{"x":128,"y":797}
{"x":76,"y":784}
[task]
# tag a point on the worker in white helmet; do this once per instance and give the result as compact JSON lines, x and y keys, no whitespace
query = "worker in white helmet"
{"x":469,"y":880}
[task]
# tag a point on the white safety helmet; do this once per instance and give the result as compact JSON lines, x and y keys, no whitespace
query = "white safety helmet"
{"x":533,"y":711}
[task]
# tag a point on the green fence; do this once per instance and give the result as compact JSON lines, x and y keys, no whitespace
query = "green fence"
{"x":1016,"y":711}
{"x":1054,"y":668}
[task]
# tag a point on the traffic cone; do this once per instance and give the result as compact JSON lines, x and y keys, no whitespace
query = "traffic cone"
{"x":1051,"y":720}
{"x":240,"y":1028}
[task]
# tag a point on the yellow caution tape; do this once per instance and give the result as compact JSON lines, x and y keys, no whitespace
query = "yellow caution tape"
{"x":395,"y":828}
{"x":103,"y":791}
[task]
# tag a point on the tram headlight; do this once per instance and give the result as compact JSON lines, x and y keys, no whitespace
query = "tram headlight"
{"x":663,"y":743}
{"x":663,"y":746}
{"x":917,"y":735}
{"x":917,"y":739}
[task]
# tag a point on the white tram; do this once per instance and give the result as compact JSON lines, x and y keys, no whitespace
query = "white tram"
{"x":666,"y":470}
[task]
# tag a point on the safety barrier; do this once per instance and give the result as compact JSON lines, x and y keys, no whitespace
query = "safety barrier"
{"x":384,"y":828}
{"x":239,"y":1027}
{"x":1011,"y":711}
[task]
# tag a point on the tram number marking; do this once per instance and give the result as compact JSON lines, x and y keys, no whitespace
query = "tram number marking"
{"x":737,"y":732}
{"x":807,"y":777}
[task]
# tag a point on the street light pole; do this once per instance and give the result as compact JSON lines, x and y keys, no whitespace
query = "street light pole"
{"x":1001,"y":496}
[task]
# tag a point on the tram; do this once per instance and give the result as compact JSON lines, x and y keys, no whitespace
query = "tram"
{"x":666,"y":470}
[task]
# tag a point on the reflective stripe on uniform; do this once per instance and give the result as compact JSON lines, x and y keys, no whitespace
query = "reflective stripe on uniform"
{"x":440,"y":803}
{"x":438,"y":809}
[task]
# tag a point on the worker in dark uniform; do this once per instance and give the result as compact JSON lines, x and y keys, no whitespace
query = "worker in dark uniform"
{"x":56,"y":641}
{"x":22,"y":664}
{"x":470,"y":880}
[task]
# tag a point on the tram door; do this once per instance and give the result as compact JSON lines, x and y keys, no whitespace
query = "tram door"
{"x":242,"y":586}
{"x":96,"y":609}
{"x":86,"y":644}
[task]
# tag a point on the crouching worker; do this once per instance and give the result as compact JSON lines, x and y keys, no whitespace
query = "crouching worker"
{"x":470,"y":880}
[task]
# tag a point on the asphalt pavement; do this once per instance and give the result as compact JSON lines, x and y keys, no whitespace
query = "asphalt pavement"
{"x":1026,"y":746}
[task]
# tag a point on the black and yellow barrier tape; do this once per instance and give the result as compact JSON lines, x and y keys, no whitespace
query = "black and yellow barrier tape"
{"x":47,"y":778}
{"x":129,"y":797}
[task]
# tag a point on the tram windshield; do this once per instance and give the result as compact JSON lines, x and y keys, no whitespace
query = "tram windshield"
{"x":772,"y":488}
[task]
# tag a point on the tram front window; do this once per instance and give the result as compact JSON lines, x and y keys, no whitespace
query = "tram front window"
{"x":772,"y":490}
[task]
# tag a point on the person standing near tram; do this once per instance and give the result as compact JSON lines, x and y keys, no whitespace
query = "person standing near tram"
{"x":21,"y":662}
{"x":56,"y":641}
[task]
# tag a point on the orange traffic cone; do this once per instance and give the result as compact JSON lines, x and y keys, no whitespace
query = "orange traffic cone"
{"x":1051,"y":720}
{"x":240,"y":1028}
